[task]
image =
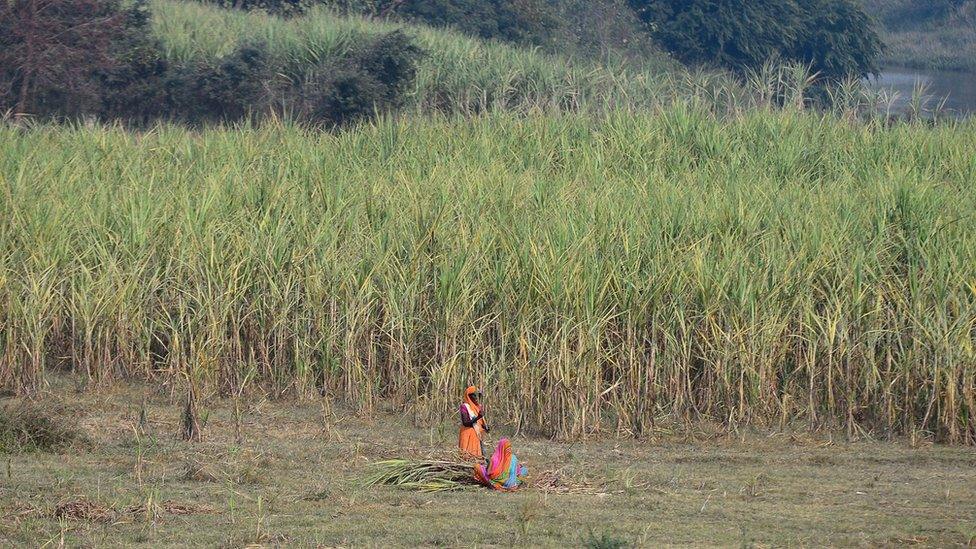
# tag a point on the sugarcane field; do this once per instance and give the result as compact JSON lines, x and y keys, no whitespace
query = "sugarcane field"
{"x":506,"y":273}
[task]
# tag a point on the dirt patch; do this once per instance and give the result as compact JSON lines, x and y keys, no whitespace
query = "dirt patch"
{"x":84,"y":509}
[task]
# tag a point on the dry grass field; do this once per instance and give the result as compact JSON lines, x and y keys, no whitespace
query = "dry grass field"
{"x":292,"y":477}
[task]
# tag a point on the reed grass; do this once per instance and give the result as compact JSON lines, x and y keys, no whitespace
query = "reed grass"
{"x":592,"y":273}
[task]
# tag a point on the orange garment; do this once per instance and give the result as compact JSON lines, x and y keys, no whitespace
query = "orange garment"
{"x":469,"y":440}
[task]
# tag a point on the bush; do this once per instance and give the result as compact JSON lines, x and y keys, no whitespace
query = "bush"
{"x":603,"y":29}
{"x":603,"y":541}
{"x":125,"y":76}
{"x":134,"y":89}
{"x":834,"y":36}
{"x":52,"y":51}
{"x":223,"y":90}
{"x":345,"y":95}
{"x":836,"y":40}
{"x":71,"y":58}
{"x":373,"y":78}
{"x":728,"y":34}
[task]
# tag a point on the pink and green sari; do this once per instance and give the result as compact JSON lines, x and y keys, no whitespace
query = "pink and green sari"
{"x":503,"y":472}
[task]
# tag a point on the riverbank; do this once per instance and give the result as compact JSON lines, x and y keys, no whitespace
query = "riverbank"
{"x":294,"y":479}
{"x":926,"y":36}
{"x":940,"y":49}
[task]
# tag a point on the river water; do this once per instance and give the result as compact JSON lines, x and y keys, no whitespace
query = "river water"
{"x":958,"y":89}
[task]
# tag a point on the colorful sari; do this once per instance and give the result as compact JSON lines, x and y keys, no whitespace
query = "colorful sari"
{"x":503,"y":472}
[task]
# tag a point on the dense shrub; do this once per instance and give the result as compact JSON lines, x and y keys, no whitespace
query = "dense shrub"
{"x":603,"y":30}
{"x":342,"y":94}
{"x":392,"y":60}
{"x":834,"y":36}
{"x":221,"y":90}
{"x":70,"y":58}
{"x":373,"y":78}
{"x":125,"y":76}
{"x":836,"y":39}
{"x":721,"y":32}
{"x":370,"y":78}
{"x":134,"y":89}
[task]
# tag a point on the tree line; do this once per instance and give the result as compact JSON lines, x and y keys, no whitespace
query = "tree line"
{"x":836,"y":38}
{"x":72,"y":58}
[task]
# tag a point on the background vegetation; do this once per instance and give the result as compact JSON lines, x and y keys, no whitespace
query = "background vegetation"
{"x":57,"y":66}
{"x":580,"y":28}
{"x":198,"y":63}
{"x":834,"y":37}
{"x":457,"y":73}
{"x":934,"y":34}
{"x":773,"y":266}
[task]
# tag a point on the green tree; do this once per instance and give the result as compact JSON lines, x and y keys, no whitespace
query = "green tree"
{"x":736,"y":34}
{"x":837,"y":40}
{"x":834,"y":36}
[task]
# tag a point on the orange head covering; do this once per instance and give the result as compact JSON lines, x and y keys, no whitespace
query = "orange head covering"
{"x":469,"y":438}
{"x":468,"y":393}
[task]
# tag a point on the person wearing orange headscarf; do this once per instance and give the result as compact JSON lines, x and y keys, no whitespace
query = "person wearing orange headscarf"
{"x":473,"y":425}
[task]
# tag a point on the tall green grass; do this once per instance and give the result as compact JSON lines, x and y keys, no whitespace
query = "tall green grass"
{"x":592,"y":274}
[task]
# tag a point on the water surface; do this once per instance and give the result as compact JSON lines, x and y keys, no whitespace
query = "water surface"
{"x":957,"y":89}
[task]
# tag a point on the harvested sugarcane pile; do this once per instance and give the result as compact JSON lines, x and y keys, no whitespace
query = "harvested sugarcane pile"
{"x":425,"y":475}
{"x":502,"y":472}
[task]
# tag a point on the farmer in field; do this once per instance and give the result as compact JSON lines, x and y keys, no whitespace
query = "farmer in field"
{"x":473,"y":425}
{"x":503,"y":471}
